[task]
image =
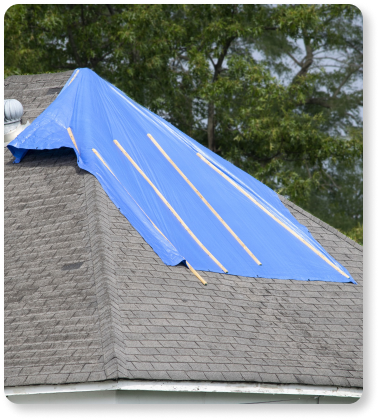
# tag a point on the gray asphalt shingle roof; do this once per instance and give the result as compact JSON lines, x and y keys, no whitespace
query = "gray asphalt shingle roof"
{"x":87,"y":299}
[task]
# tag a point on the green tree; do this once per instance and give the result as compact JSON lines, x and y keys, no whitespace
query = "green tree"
{"x":330,"y":49}
{"x":55,"y":38}
{"x":281,"y":95}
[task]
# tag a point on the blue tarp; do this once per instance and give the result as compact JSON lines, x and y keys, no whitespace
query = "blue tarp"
{"x":98,"y":113}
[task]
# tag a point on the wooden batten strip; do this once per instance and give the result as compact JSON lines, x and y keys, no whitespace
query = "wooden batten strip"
{"x":77,"y":71}
{"x":72,"y":138}
{"x":156,"y":227}
{"x":103,"y":161}
{"x":228,"y":228}
{"x":316,"y":251}
{"x":169,"y":206}
{"x":196,"y":273}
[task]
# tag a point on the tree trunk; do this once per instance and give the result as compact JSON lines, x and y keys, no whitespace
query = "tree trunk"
{"x":211,"y":106}
{"x":211,"y":127}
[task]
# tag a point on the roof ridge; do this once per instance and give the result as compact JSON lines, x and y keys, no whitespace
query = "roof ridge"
{"x":328,"y":227}
{"x":108,"y":300}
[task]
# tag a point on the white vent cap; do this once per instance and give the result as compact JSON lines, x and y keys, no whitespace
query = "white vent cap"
{"x":13,"y":111}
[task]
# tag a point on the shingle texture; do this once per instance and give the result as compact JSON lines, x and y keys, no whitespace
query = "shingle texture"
{"x":87,"y":299}
{"x":35,"y":92}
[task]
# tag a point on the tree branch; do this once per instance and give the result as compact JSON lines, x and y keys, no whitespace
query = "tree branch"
{"x":82,"y":14}
{"x":294,"y":59}
{"x":74,"y":49}
{"x":210,"y":57}
{"x":345,"y":80}
{"x":220,"y":60}
{"x":324,"y":102}
{"x":354,"y":48}
{"x":306,"y":62}
{"x":331,"y":179}
{"x":110,"y":8}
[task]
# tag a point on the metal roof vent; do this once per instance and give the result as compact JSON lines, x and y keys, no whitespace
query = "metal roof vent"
{"x":13,"y":111}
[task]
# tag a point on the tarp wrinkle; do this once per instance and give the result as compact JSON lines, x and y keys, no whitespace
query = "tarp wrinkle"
{"x":176,"y":222}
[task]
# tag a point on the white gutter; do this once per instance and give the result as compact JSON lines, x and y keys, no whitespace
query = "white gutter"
{"x":244,"y":388}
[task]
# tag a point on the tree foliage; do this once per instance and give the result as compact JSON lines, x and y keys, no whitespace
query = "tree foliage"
{"x":274,"y":89}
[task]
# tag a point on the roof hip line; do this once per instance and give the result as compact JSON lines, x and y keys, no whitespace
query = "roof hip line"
{"x":107,"y":295}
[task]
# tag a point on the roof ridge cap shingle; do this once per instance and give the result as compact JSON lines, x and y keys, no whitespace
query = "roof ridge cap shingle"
{"x":108,"y":301}
{"x":320,"y":222}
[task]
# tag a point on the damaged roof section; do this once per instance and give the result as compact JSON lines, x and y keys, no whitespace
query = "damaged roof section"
{"x":189,"y":204}
{"x":124,"y":314}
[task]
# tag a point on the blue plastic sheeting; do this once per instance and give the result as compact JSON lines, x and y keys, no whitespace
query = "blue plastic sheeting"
{"x":98,"y":113}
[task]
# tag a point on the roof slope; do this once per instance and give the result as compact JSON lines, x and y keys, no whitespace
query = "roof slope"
{"x":215,"y":229}
{"x":87,"y":299}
